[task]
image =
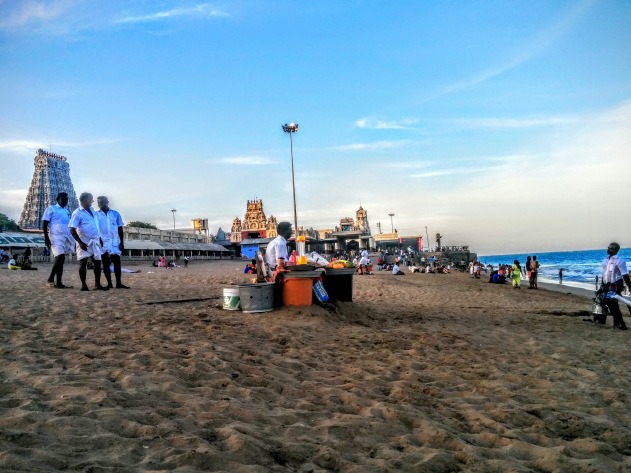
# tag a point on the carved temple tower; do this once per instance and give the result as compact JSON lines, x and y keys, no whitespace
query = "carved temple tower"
{"x":51,"y":176}
{"x":254,"y":225}
{"x":361,"y":220}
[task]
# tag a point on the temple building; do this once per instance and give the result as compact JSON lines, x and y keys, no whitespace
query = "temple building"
{"x":254,"y":224}
{"x":51,"y":176}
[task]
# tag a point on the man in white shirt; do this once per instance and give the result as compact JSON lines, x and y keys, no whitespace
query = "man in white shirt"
{"x":57,"y":237}
{"x":111,"y":228}
{"x":84,"y":227}
{"x":614,"y":276}
{"x":276,"y":253}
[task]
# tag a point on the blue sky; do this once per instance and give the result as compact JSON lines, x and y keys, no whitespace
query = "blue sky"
{"x":505,"y":125}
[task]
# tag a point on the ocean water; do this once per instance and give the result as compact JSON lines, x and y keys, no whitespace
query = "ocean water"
{"x":580,"y":268}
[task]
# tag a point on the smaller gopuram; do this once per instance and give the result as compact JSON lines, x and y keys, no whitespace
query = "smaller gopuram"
{"x":254,"y":224}
{"x":51,"y":176}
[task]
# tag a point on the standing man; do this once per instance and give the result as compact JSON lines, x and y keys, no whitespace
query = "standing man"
{"x":276,"y":253}
{"x":111,"y":228}
{"x":614,"y":277}
{"x":84,"y":228}
{"x":57,"y":237}
{"x":534,"y":270}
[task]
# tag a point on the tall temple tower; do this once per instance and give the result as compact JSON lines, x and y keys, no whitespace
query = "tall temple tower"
{"x":51,"y":176}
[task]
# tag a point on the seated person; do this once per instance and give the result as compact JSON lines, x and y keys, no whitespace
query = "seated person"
{"x":250,"y":268}
{"x":396,"y":271}
{"x":414,"y":269}
{"x":27,"y":265}
{"x":12,"y":264}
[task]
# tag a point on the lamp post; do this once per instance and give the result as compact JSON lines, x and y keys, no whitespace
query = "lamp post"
{"x":391,"y":223}
{"x":292,"y":128}
{"x":173,"y":210}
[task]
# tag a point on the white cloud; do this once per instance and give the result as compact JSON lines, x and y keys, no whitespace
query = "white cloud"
{"x":247,"y":160}
{"x":32,"y":11}
{"x":539,"y":43}
{"x":374,"y":146}
{"x":453,"y":171}
{"x":20,"y":146}
{"x":516,"y":123}
{"x":201,"y":10}
{"x":404,"y":124}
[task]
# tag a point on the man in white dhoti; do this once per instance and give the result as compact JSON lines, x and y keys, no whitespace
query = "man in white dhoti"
{"x":84,"y":227}
{"x":111,"y":228}
{"x":57,"y":237}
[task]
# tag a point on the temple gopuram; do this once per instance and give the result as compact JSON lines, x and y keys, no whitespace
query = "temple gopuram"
{"x":254,"y":224}
{"x":51,"y":176}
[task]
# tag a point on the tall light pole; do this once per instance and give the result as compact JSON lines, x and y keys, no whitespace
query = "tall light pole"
{"x":391,"y":223}
{"x":427,"y":235}
{"x":292,"y":128}
{"x":173,"y":210}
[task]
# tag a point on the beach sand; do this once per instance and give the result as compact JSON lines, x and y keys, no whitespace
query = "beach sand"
{"x":421,"y":373}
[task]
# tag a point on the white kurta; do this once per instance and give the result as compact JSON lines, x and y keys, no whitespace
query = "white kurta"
{"x":87,"y":226}
{"x":108,"y":226}
{"x":61,"y":241}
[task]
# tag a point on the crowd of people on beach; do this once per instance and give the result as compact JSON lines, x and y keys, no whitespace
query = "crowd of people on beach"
{"x":511,"y":272}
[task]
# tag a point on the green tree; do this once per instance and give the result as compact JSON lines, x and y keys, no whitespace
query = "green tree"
{"x":8,"y":225}
{"x":138,"y":224}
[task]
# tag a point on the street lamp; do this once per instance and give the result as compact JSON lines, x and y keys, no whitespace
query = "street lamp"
{"x":391,"y":222}
{"x":292,"y":128}
{"x":173,"y":210}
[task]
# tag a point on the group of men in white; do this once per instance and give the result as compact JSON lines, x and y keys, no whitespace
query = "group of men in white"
{"x":95,"y":235}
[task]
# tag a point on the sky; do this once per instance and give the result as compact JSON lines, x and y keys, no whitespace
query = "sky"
{"x":502,"y":125}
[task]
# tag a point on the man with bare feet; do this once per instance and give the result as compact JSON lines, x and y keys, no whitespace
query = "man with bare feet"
{"x":84,"y":227}
{"x":57,"y":237}
{"x":111,"y":228}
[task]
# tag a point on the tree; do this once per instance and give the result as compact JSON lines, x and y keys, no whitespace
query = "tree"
{"x":8,"y":225}
{"x":138,"y":224}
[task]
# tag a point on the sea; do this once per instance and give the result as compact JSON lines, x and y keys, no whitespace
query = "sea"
{"x":580,"y":268}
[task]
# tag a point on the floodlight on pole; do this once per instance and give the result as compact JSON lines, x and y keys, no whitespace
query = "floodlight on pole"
{"x":292,"y":128}
{"x":391,"y":222}
{"x":173,"y":210}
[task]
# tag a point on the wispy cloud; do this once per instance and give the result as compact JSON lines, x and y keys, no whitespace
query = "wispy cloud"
{"x":32,"y":145}
{"x":517,"y":123}
{"x":247,"y":160}
{"x":374,"y":146}
{"x":539,"y":43}
{"x":373,"y":124}
{"x":454,"y":171}
{"x":201,"y":10}
{"x":34,"y":11}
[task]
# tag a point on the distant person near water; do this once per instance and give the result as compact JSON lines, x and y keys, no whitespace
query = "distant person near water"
{"x":561,"y":276}
{"x":516,"y":275}
{"x":534,"y":270}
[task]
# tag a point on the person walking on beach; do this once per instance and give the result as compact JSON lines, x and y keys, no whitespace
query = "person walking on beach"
{"x":84,"y":227}
{"x":534,"y":270}
{"x":57,"y":237}
{"x":561,"y":275}
{"x":111,"y":230}
{"x":614,"y":276}
{"x":516,"y":275}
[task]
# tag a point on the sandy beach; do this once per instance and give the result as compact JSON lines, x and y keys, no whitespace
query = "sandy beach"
{"x":421,"y":373}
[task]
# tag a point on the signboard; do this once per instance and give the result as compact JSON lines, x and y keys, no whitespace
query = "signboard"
{"x":22,"y":240}
{"x":385,"y":236}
